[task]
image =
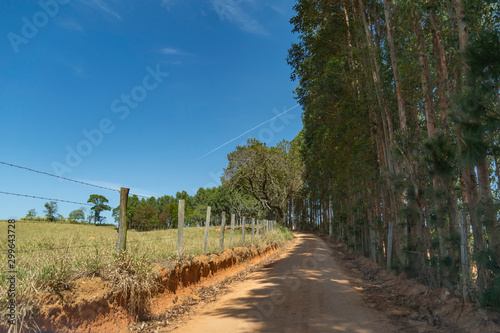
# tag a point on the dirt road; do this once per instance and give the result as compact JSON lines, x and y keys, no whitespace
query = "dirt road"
{"x":304,"y":291}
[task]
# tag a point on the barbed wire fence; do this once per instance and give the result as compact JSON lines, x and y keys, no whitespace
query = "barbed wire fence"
{"x":256,"y":226}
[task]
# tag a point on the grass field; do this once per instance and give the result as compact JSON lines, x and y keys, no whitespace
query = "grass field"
{"x":51,"y":255}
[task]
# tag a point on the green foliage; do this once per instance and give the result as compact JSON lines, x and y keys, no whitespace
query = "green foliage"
{"x":99,"y":202}
{"x":162,"y":213}
{"x":51,"y":210}
{"x":491,"y":296}
{"x":387,"y":131}
{"x":271,"y":175}
{"x":116,"y":214}
{"x":31,"y":213}
{"x":145,"y":218}
{"x":77,"y":215}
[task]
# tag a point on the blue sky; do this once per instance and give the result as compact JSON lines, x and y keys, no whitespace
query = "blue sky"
{"x":136,"y":94}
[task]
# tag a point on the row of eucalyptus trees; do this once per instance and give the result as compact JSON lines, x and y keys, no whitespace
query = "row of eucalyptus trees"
{"x":401,"y":114}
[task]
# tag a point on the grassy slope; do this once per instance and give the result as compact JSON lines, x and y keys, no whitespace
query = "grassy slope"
{"x":51,"y":255}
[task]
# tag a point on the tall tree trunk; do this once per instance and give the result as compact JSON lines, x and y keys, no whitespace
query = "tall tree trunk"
{"x":394,"y":61}
{"x":376,"y":75}
{"x":444,"y":207}
{"x":468,"y":175}
{"x":443,"y":88}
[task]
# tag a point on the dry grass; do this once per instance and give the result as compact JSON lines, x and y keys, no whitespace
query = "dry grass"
{"x":50,"y":255}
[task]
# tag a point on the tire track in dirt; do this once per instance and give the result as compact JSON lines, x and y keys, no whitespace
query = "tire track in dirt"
{"x":304,"y":291}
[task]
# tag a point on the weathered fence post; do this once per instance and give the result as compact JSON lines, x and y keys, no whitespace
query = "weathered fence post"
{"x":258,"y":227}
{"x":243,"y":230}
{"x":253,"y":227}
{"x":180,"y":227}
{"x":207,"y":229}
{"x":121,"y":244}
{"x":232,"y":229}
{"x":389,"y":244}
{"x":222,"y":228}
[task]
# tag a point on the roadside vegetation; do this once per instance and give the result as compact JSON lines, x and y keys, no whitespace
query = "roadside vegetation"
{"x":401,"y":135}
{"x":50,"y":256}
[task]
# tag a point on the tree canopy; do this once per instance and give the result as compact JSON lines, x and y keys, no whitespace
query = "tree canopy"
{"x":401,"y":127}
{"x":271,"y":175}
{"x":51,"y":210}
{"x":99,"y":206}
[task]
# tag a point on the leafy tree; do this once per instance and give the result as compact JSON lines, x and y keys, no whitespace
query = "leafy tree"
{"x":77,"y":215}
{"x":145,"y":218}
{"x":116,"y":214}
{"x":170,"y":215}
{"x":51,"y":210}
{"x":99,"y":202}
{"x":31,"y":213}
{"x":269,"y":174}
{"x":401,"y":119}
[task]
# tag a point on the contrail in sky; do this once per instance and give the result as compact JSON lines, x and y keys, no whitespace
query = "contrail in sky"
{"x":239,"y":136}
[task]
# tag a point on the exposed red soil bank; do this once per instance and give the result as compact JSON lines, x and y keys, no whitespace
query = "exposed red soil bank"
{"x":421,"y":308}
{"x":91,"y":305}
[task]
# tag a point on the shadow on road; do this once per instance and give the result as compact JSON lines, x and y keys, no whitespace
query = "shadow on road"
{"x":302,"y":292}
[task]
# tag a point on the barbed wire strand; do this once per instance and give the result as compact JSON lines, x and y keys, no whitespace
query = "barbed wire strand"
{"x":43,"y":198}
{"x":56,"y":176}
{"x":68,"y":179}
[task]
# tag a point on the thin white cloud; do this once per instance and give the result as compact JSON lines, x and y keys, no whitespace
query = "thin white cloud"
{"x":169,"y":51}
{"x":70,"y":24}
{"x":167,"y":3}
{"x":235,"y":12}
{"x":279,"y":8}
{"x":102,"y":6}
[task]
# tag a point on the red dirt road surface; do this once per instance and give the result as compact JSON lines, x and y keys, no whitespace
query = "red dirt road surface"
{"x":304,"y":291}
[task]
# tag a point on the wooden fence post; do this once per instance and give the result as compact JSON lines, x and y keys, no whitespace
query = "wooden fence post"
{"x":243,"y":230}
{"x":253,"y":227}
{"x":180,"y":227}
{"x":207,"y":229}
{"x":258,"y":227}
{"x":222,"y":228}
{"x":232,"y":229}
{"x":121,"y":244}
{"x":389,"y":244}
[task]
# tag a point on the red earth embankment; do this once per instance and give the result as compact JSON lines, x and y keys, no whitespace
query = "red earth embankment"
{"x":91,"y":304}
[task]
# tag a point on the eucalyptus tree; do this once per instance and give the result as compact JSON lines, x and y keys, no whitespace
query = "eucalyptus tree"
{"x":400,"y":104}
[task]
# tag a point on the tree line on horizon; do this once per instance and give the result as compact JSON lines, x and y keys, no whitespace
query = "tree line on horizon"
{"x":76,"y":216}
